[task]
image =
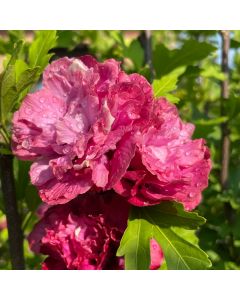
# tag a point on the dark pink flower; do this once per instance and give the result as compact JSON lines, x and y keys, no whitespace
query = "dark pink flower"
{"x":168,"y":164}
{"x":84,"y":234}
{"x":79,"y":129}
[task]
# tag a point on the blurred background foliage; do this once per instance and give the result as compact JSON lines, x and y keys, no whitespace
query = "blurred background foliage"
{"x":186,"y":68}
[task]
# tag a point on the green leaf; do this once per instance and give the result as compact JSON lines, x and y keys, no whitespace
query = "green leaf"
{"x":213,"y":71}
{"x":179,"y":253}
{"x":234,"y":44}
{"x":164,"y":85}
{"x":18,"y":89}
{"x":188,"y":235}
{"x":168,"y":83}
{"x":146,"y":72}
{"x":20,"y":67}
{"x":192,"y":71}
{"x":163,"y":222}
{"x":69,"y":39}
{"x":27,"y":78}
{"x":173,"y":214}
{"x":135,"y":53}
{"x":38,"y":51}
{"x":18,"y":78}
{"x":8,"y":91}
{"x":165,"y":60}
{"x":8,"y":78}
{"x":118,"y":37}
{"x":171,"y":98}
{"x":135,"y":243}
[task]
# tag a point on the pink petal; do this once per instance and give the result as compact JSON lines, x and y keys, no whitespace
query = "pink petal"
{"x":40,"y":172}
{"x":121,"y":159}
{"x":56,"y":79}
{"x":60,"y":166}
{"x":58,"y":192}
{"x":33,"y":130}
{"x":100,"y":173}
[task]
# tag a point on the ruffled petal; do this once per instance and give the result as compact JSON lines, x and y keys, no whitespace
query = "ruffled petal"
{"x":61,"y":191}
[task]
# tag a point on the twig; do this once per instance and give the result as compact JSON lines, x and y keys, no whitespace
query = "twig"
{"x":225,"y":95}
{"x":15,"y":235}
{"x":146,"y":41}
{"x":225,"y":138}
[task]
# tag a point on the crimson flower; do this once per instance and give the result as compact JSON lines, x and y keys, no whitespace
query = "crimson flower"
{"x":85,"y":233}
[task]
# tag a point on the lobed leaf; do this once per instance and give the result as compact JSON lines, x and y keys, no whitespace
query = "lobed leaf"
{"x":135,"y":244}
{"x":163,"y":222}
{"x":168,"y":83}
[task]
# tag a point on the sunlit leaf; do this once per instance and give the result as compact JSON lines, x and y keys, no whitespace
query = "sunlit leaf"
{"x":8,"y":90}
{"x":161,"y":222}
{"x":168,"y":83}
{"x":39,"y":49}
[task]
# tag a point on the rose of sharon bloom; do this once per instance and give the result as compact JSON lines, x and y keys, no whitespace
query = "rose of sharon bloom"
{"x":84,"y":234}
{"x":168,"y":164}
{"x":79,"y":129}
